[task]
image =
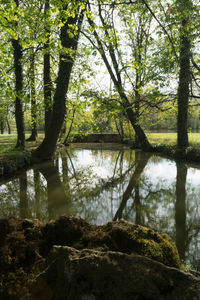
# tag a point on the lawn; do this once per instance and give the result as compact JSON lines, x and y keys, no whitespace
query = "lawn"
{"x":169,"y":138}
{"x":8,"y":142}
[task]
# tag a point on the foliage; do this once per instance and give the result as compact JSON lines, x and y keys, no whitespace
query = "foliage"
{"x":142,"y":37}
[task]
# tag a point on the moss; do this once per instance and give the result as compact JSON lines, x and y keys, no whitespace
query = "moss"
{"x":164,"y":251}
{"x":141,"y":240}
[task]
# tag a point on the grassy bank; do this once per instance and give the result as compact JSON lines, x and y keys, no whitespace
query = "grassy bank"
{"x":165,"y":143}
{"x":8,"y":142}
{"x":11,"y":158}
{"x":169,"y":139}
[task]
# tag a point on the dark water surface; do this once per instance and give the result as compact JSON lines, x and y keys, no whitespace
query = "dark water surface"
{"x":102,"y":185}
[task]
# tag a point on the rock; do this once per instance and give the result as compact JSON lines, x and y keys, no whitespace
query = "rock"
{"x":119,"y":236}
{"x":96,"y":275}
{"x":19,"y":255}
{"x":119,"y":247}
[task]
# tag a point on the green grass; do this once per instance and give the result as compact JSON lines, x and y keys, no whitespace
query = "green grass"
{"x":8,"y":142}
{"x":169,"y":139}
{"x":162,"y":138}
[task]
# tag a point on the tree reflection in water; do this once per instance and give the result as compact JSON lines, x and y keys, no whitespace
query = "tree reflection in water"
{"x":104,"y":185}
{"x":23,"y":197}
{"x":180,"y":209}
{"x":58,"y":201}
{"x":133,"y":184}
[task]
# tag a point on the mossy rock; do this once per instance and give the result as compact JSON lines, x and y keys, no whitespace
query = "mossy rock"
{"x":25,"y":246}
{"x":119,"y":236}
{"x":135,"y":239}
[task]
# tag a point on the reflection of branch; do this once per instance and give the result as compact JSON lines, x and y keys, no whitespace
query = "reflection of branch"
{"x":141,"y":164}
{"x":109,"y":183}
{"x":71,"y":164}
{"x":119,"y":153}
{"x":157,"y":192}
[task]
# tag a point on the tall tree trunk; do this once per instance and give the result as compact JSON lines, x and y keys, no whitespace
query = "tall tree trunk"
{"x":33,"y":100}
{"x":46,"y":150}
{"x":19,"y":114}
{"x":47,"y":74}
{"x":184,"y":77}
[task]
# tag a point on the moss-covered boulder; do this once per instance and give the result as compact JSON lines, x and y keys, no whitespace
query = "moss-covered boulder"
{"x":25,"y":246}
{"x":119,"y":236}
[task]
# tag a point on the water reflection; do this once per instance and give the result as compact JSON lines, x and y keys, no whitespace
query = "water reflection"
{"x":140,"y":164}
{"x":104,"y":185}
{"x":58,"y":201}
{"x":23,"y":197}
{"x":180,"y":209}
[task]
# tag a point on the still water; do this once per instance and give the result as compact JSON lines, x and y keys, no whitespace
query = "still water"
{"x":102,"y":185}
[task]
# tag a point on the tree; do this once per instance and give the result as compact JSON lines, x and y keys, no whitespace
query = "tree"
{"x":69,"y":36}
{"x":19,"y":116}
{"x":47,"y":70}
{"x":184,"y":73}
{"x":108,"y":49}
{"x":182,"y":10}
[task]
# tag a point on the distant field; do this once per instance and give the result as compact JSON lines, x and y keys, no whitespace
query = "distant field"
{"x":170,"y":138}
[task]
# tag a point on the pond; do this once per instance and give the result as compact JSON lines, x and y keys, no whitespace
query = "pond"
{"x":105,"y":184}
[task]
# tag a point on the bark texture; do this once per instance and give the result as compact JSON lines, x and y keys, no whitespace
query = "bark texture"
{"x":184,"y":82}
{"x":19,"y":114}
